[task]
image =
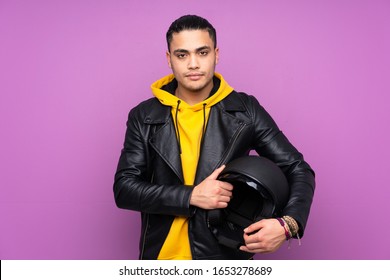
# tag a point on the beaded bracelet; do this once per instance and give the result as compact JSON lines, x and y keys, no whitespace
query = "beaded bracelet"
{"x":292,"y":224}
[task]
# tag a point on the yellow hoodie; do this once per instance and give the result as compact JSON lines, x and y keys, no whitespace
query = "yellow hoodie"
{"x":191,"y":120}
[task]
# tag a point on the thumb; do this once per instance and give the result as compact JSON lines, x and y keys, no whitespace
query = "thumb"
{"x":216,"y":173}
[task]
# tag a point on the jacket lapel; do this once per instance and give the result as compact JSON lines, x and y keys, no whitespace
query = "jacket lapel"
{"x":163,"y":140}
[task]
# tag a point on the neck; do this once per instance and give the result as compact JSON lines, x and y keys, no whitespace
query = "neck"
{"x":193,"y":97}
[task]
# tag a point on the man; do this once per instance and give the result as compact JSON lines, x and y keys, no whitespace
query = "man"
{"x":177,"y":144}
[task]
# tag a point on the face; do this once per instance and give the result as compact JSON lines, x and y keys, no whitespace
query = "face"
{"x":192,"y":58}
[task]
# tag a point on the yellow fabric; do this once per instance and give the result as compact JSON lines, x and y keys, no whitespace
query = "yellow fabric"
{"x":190,"y":123}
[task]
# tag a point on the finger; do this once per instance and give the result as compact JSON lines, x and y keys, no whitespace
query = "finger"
{"x":254,"y":227}
{"x":226,"y":193}
{"x":226,"y":186}
{"x":251,"y":250}
{"x":253,"y":247}
{"x":251,"y":239}
{"x":222,"y":204}
{"x":216,"y":173}
{"x":221,"y":191}
{"x":244,"y":248}
{"x":224,"y":198}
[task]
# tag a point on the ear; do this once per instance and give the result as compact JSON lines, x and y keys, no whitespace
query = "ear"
{"x":216,"y":55}
{"x":168,"y":55}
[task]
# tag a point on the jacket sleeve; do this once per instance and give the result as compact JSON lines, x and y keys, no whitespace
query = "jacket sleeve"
{"x":133,"y":186}
{"x":270,"y":142}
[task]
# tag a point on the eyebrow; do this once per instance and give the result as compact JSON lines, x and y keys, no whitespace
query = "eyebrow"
{"x":203,"y":48}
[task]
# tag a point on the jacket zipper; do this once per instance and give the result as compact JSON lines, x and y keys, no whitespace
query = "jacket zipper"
{"x":144,"y":237}
{"x":243,"y":125}
{"x":229,"y":151}
{"x":146,"y":227}
{"x":241,"y":128}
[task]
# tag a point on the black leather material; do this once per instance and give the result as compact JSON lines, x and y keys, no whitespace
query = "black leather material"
{"x":149,"y":176}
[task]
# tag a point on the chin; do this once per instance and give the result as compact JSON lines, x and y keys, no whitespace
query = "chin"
{"x":196,"y":89}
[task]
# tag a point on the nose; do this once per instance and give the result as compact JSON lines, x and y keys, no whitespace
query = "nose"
{"x":193,"y":62}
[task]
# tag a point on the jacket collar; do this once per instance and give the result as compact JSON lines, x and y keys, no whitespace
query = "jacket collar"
{"x":232,"y":103}
{"x":159,"y":113}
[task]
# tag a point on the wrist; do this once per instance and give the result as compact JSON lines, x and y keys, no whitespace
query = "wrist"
{"x":287,"y":231}
{"x":292,"y":225}
{"x":193,"y":197}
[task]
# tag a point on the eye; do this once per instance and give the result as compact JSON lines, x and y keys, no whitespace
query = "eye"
{"x":181,"y":55}
{"x":203,"y":53}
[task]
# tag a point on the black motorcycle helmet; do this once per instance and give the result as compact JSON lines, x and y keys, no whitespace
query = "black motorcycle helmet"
{"x":260,"y":191}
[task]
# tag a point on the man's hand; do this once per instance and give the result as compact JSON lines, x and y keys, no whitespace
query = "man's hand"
{"x":212,"y":193}
{"x":265,"y":236}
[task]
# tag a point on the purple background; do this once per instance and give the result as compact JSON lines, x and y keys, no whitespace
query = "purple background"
{"x":71,"y":70}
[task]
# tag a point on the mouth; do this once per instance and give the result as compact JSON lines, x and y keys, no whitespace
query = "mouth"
{"x":194,"y":76}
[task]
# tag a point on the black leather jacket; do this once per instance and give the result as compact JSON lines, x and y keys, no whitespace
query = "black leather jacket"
{"x":149,"y":176}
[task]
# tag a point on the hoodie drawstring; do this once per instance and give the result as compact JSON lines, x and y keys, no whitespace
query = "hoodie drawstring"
{"x":204,"y":123}
{"x":177,"y":125}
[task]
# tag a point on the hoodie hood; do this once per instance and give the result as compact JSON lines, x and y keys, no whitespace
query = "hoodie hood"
{"x":169,"y":99}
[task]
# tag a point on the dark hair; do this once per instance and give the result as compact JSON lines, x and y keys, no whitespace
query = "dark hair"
{"x":191,"y":22}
